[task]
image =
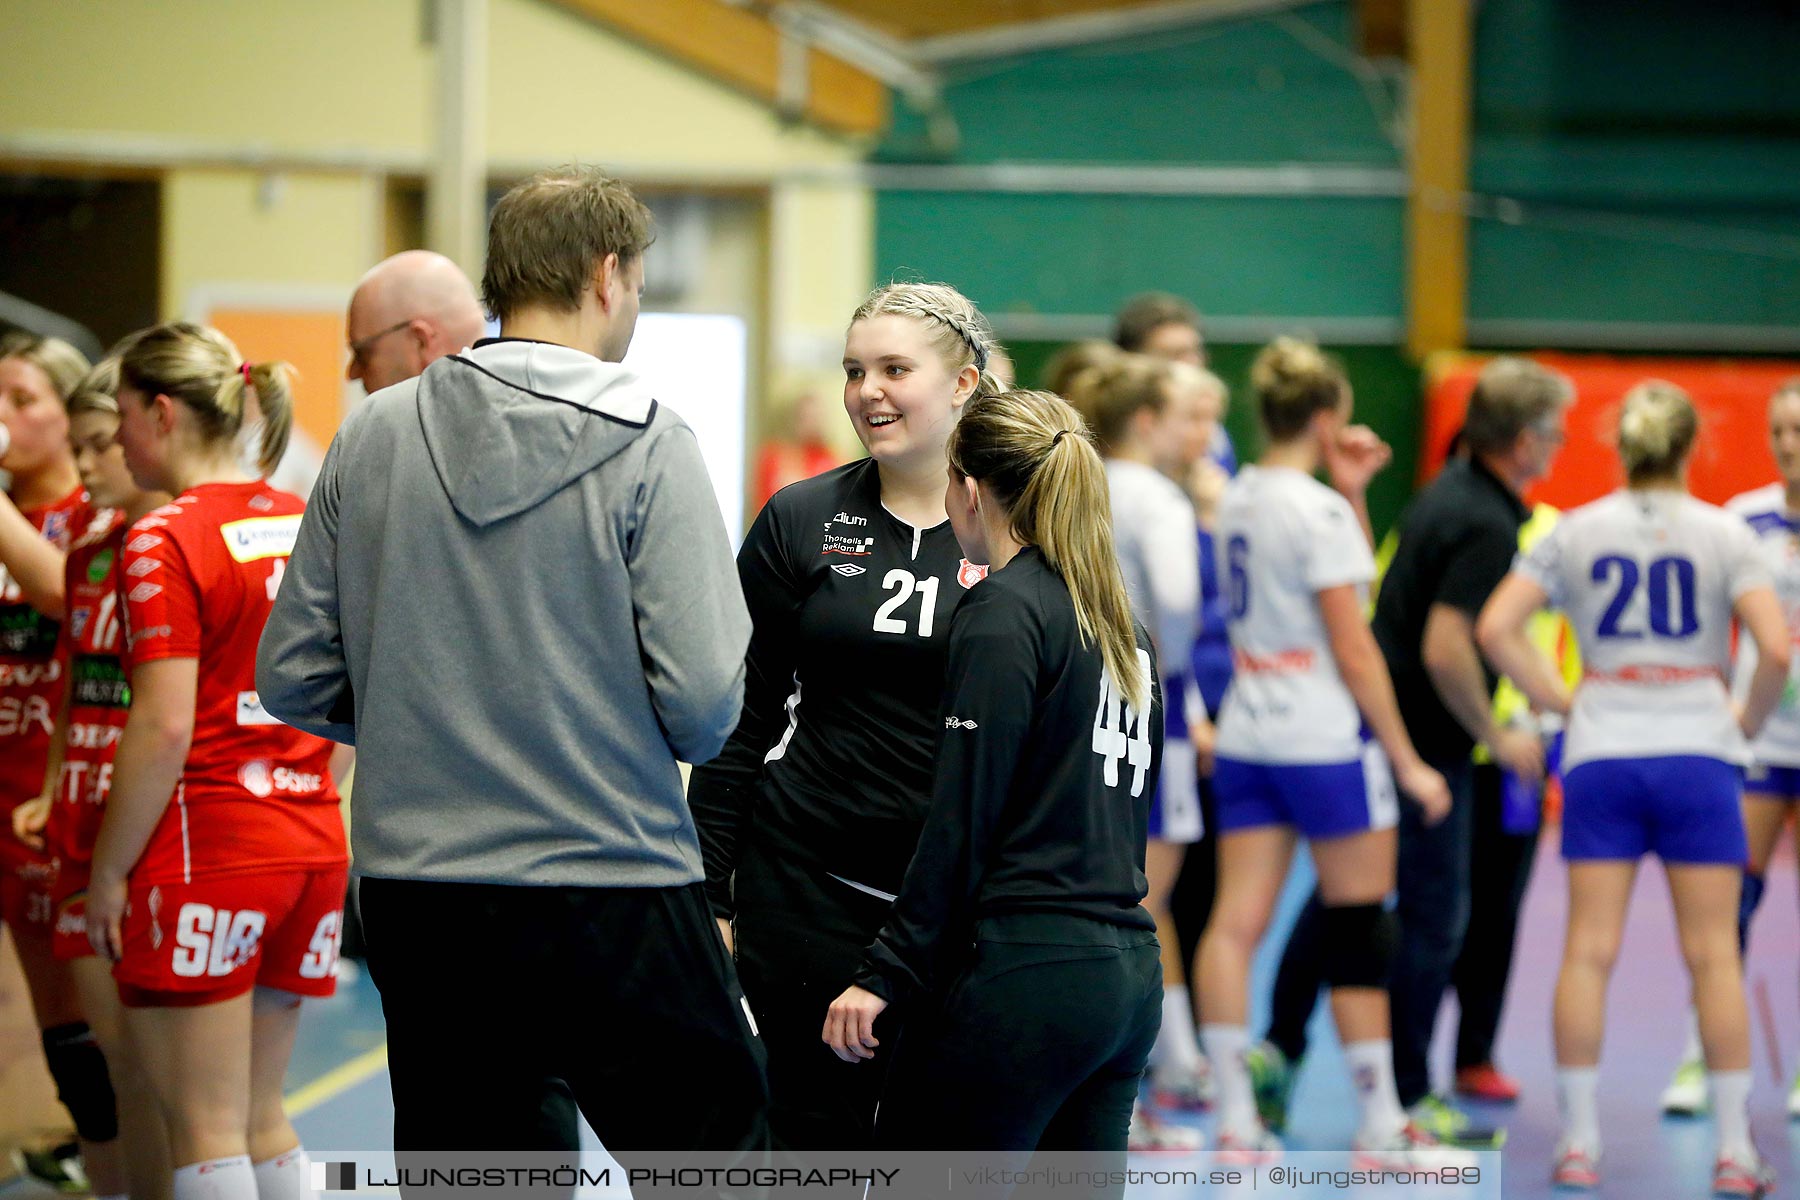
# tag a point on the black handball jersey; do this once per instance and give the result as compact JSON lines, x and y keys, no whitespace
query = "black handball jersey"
{"x":1043,"y":779}
{"x":832,"y":758}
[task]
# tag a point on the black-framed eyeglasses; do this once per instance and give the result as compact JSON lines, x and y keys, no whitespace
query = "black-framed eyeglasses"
{"x":359,"y":350}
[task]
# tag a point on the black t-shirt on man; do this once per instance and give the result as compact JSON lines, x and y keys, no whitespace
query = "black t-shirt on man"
{"x":1457,"y":542}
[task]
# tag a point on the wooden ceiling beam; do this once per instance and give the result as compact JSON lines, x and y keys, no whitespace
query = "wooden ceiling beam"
{"x":743,"y":49}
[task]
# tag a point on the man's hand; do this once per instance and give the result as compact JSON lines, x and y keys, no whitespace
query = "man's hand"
{"x":1426,"y":786}
{"x":850,"y":1025}
{"x":725,"y":932}
{"x":1519,"y":751}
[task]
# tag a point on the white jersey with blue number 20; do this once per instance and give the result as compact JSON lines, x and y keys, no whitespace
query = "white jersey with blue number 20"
{"x":1648,"y":580}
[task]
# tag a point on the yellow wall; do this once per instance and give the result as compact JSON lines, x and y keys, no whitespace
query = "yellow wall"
{"x":824,"y":239}
{"x":353,"y":74}
{"x":131,"y":83}
{"x":326,"y":72}
{"x":243,"y":230}
{"x":557,"y":91}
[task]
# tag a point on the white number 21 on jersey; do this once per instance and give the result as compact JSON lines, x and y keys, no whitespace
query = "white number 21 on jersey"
{"x":1129,"y":739}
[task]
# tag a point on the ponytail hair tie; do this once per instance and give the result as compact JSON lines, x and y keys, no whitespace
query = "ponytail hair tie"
{"x":244,"y":370}
{"x":1060,"y":435}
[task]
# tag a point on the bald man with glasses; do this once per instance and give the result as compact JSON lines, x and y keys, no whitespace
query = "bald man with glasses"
{"x":406,"y":313}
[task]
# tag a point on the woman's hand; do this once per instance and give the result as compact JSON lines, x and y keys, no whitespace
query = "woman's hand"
{"x":28,"y":821}
{"x":1356,"y":458}
{"x":105,"y":916}
{"x":850,"y":1024}
{"x":1205,"y":737}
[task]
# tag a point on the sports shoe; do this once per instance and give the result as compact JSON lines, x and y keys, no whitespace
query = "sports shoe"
{"x":58,"y":1166}
{"x":1447,"y":1125}
{"x":1409,"y":1149}
{"x":1487,"y":1082}
{"x":1183,"y":1091}
{"x":1745,"y":1178}
{"x":1151,"y":1136}
{"x":1255,"y":1148}
{"x":1686,"y":1094}
{"x":1576,"y":1170}
{"x":1272,"y":1079}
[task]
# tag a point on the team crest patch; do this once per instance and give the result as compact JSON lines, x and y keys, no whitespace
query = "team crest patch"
{"x":970,"y":574}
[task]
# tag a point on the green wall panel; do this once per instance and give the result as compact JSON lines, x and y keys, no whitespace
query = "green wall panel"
{"x":1387,"y":389}
{"x":1084,"y":254}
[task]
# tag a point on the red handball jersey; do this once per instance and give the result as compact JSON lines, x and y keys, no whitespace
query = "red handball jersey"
{"x":31,"y":674}
{"x":92,"y":641}
{"x":200,"y":576}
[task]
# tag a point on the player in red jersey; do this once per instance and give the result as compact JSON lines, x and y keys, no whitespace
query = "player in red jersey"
{"x":65,"y":820}
{"x":44,"y":511}
{"x":218,"y":875}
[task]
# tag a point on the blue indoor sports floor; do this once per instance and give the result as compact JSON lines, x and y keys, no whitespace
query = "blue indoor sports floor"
{"x":339,"y":1084}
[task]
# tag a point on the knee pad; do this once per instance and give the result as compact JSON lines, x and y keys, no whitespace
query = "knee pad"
{"x":1748,"y":899}
{"x":82,"y":1082}
{"x":1360,"y":943}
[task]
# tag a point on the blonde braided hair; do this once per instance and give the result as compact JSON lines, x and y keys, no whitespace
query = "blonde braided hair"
{"x":966,"y":340}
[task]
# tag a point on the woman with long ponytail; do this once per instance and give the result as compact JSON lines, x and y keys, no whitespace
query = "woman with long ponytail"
{"x":217,"y":879}
{"x":1051,"y":735}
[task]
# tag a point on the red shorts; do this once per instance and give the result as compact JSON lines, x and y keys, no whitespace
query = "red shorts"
{"x":25,"y":903}
{"x":68,"y":928}
{"x":188,"y":944}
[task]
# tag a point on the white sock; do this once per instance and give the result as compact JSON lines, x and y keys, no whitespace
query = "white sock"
{"x":1372,"y":1071}
{"x":1731,"y":1113}
{"x":1695,"y":1052}
{"x":1177,"y":1051}
{"x":285,"y":1177}
{"x":1225,"y":1045}
{"x":1577,"y":1095}
{"x":220,"y":1179}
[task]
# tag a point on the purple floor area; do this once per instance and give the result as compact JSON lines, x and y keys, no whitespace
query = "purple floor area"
{"x":1647,"y":1155}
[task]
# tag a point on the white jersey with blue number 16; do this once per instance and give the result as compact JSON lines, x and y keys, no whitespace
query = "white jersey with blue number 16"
{"x":1648,"y":580}
{"x":1284,"y":537}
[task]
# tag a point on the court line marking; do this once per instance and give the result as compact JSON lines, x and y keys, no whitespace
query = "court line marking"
{"x":337,"y":1081}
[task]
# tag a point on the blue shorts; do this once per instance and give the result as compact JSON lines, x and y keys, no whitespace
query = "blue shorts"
{"x":1682,"y":808}
{"x":1321,"y":800}
{"x":1175,"y":805}
{"x":1779,"y":783}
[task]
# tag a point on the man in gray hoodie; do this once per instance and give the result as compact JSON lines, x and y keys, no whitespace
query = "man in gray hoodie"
{"x":514,"y":594}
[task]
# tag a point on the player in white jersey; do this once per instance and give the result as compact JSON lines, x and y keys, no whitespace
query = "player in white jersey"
{"x":1149,"y":429}
{"x":1650,"y":579}
{"x":1291,"y":759}
{"x":1772,"y":782}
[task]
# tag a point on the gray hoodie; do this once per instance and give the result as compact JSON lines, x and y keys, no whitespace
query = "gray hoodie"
{"x":513,"y":593}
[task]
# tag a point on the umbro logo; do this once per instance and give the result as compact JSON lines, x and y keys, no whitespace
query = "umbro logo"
{"x":959,"y":723}
{"x":848,"y":570}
